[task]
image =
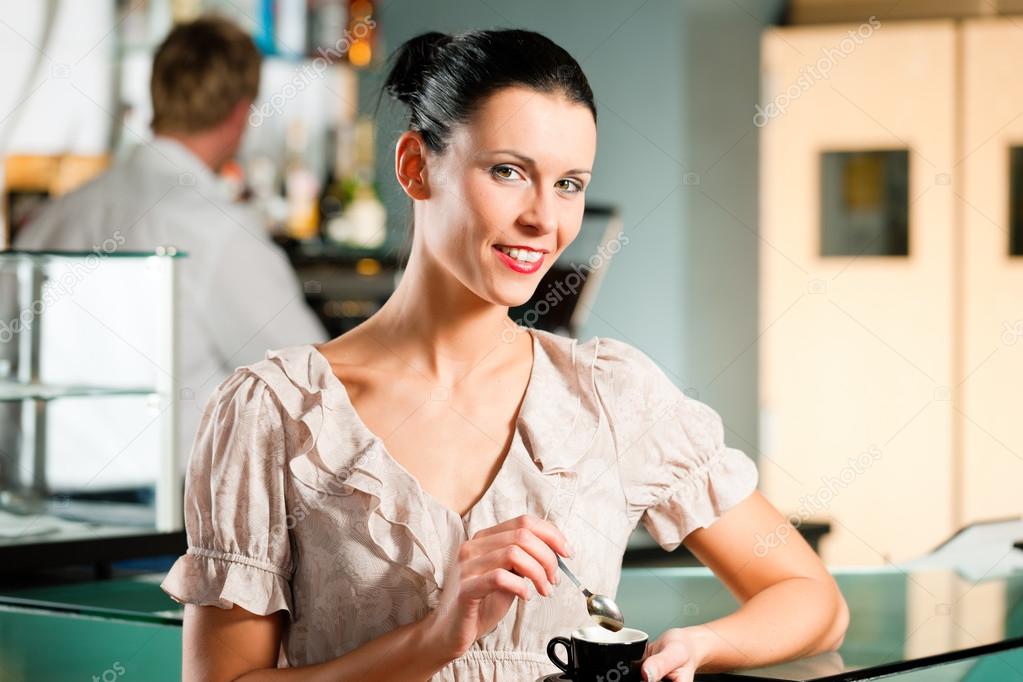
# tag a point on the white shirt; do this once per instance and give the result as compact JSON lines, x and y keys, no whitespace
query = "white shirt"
{"x":238,"y":295}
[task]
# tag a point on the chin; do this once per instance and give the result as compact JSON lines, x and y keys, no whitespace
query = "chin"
{"x":506,"y":298}
{"x":519,"y":301}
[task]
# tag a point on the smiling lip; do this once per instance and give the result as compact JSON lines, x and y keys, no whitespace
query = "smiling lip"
{"x":524,"y":268}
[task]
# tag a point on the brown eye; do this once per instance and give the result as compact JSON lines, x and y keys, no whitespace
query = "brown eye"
{"x":497,"y":169}
{"x":573,"y":183}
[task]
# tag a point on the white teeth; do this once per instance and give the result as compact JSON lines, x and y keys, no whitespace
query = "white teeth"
{"x":522,"y":255}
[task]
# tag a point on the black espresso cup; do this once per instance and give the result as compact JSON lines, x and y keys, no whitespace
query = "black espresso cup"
{"x":595,"y":654}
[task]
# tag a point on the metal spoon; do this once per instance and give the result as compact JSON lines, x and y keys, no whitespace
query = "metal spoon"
{"x":602,"y":608}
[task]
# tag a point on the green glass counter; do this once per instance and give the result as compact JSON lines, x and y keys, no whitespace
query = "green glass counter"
{"x":926,"y":625}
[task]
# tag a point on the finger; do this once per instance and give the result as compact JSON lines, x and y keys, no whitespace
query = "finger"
{"x":684,"y":674}
{"x":665,"y":660}
{"x":512,"y":558}
{"x":524,"y":538}
{"x":542,"y":528}
{"x":495,"y":580}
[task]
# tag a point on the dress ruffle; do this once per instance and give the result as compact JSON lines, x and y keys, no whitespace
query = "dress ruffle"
{"x":351,"y":467}
{"x":207,"y":578}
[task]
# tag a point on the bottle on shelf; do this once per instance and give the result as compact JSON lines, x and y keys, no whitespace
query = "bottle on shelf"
{"x":265,"y":196}
{"x":363,"y":223}
{"x":290,"y":28}
{"x":361,"y":220}
{"x":300,"y":185}
{"x":333,"y":198}
{"x":327,"y":21}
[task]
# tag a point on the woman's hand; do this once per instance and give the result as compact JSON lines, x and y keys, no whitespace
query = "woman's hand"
{"x":672,"y":656}
{"x":488,"y":575}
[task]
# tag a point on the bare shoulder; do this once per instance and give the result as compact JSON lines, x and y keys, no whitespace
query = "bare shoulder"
{"x":353,"y":359}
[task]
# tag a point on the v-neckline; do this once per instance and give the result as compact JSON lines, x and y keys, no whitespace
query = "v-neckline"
{"x":516,"y":435}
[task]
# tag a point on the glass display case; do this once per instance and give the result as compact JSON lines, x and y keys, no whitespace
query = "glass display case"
{"x":88,"y":400}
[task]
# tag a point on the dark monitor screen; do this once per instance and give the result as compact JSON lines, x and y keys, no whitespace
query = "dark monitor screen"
{"x":565,"y":294}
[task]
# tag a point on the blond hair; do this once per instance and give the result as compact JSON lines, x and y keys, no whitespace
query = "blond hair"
{"x":201,"y":71}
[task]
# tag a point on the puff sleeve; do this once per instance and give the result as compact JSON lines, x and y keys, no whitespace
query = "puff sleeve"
{"x":677,"y":473}
{"x":235,"y":514}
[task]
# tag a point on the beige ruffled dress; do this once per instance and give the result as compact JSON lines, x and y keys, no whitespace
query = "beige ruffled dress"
{"x":292,"y":503}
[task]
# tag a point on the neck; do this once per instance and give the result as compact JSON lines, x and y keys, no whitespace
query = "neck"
{"x":207,"y":146}
{"x":433,"y":321}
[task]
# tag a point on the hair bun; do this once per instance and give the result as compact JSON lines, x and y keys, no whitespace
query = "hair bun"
{"x":411,"y":63}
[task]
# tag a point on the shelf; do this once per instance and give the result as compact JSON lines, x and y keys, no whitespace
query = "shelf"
{"x":96,"y":544}
{"x":11,"y":391}
{"x":316,"y":250}
{"x":80,"y":532}
{"x":15,"y":254}
{"x":22,"y":529}
{"x":643,"y":550}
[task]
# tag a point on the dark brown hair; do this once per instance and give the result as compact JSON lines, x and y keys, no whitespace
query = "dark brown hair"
{"x":444,"y":78}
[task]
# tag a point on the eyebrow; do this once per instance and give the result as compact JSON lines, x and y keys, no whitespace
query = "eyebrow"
{"x":526,"y":160}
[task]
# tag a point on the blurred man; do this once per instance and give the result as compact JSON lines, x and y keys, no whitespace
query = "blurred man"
{"x":238,"y":295}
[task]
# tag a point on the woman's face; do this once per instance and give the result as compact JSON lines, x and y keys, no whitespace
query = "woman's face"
{"x":513,"y":176}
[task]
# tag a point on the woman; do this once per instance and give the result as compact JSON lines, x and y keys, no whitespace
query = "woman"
{"x":388,"y":505}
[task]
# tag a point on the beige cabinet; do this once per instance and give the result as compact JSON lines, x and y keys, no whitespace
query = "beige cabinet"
{"x":991,"y":358}
{"x":887,"y":389}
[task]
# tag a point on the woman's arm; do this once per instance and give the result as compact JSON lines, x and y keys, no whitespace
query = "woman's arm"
{"x":246,"y":646}
{"x":807,"y":627}
{"x":790,"y":605}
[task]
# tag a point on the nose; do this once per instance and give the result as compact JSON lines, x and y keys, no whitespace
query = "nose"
{"x":540,"y":214}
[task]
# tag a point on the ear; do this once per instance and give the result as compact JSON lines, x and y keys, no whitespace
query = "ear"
{"x":410,"y":164}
